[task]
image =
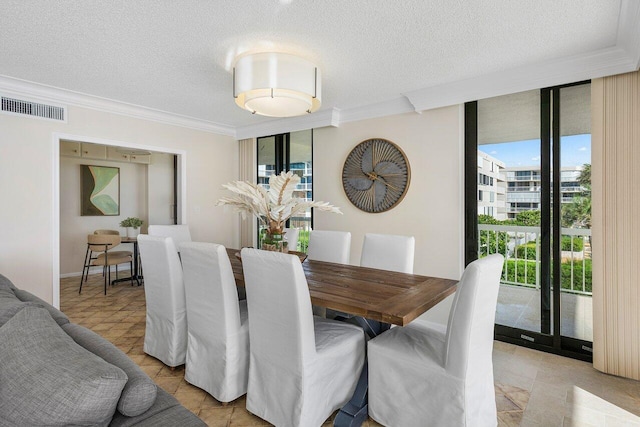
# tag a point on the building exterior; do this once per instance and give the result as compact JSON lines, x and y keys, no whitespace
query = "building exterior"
{"x":503,"y":192}
{"x":304,"y":189}
{"x":491,"y":187}
{"x":523,"y":187}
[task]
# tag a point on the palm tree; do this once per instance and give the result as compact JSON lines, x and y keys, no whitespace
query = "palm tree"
{"x":578,"y":212}
{"x":585,"y":177}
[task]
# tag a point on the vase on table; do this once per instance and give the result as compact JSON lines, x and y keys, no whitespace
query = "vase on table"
{"x":133,"y":232}
{"x":274,"y":242}
{"x":273,"y":206}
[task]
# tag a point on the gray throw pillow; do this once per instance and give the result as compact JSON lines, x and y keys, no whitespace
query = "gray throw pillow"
{"x":13,"y":300}
{"x":140,"y":392}
{"x":48,"y":379}
{"x":57,"y":315}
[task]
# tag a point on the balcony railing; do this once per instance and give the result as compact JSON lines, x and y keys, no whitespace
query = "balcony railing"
{"x":521,"y":248}
{"x":304,"y":224}
{"x":523,"y":178}
{"x":524,"y":189}
{"x":511,"y":209}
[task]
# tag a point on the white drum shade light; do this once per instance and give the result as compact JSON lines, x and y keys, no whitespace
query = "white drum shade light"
{"x":276,"y":85}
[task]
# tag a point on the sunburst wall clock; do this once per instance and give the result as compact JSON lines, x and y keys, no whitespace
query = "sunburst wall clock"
{"x":376,"y":175}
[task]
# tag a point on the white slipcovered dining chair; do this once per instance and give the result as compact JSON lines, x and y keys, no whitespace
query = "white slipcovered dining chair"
{"x":388,"y":252}
{"x":302,"y":367}
{"x":165,"y":336}
{"x":443,"y":376}
{"x":218,"y":330}
{"x":384,"y":252}
{"x":179,"y":233}
{"x":329,"y":246}
{"x":291,"y":236}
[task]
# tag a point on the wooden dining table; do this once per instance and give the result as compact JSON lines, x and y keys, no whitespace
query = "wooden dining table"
{"x":385,"y":296}
{"x":370,"y":294}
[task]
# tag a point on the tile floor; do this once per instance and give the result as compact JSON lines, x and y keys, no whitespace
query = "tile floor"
{"x":532,"y":388}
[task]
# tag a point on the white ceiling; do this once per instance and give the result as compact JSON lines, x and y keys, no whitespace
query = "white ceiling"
{"x":377,"y":57}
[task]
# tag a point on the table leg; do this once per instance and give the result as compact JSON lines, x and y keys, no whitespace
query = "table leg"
{"x":355,"y":412}
{"x":136,"y":267}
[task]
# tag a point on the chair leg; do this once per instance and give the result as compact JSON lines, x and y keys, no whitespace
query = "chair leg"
{"x":107,"y":277}
{"x":85,"y":266}
{"x":89,"y":264}
{"x":131,"y":270}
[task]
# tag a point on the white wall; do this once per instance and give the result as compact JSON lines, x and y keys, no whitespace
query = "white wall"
{"x":160,"y":189}
{"x":432,"y":209}
{"x":27,"y":165}
{"x":74,"y":227}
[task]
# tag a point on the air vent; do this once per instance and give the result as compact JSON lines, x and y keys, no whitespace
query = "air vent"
{"x":33,"y":109}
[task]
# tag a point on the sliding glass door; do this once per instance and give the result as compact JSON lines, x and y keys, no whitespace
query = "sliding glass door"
{"x":528,"y":198}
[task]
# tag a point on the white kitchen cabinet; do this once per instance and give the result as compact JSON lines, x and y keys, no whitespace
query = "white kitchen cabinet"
{"x":70,"y":148}
{"x":94,"y":151}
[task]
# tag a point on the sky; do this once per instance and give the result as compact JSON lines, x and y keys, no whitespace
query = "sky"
{"x":576,"y":151}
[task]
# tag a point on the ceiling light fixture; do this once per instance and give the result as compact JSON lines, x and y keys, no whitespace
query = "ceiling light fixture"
{"x":276,"y":85}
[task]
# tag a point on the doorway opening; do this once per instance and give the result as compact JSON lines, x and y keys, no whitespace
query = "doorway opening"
{"x":179,"y":211}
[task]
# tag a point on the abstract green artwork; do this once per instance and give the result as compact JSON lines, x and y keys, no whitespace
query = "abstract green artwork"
{"x":100,"y":190}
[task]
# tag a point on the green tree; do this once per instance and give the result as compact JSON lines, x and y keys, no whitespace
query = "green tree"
{"x":528,"y":218}
{"x":585,"y":177}
{"x":577,"y":214}
{"x":487,"y":219}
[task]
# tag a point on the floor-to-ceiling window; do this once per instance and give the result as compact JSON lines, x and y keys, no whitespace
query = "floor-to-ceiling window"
{"x":528,"y":159}
{"x":289,"y":152}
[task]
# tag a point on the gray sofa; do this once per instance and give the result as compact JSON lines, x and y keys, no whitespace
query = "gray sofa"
{"x":58,"y":373}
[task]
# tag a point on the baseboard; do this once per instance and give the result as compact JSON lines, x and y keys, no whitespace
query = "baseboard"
{"x":95,"y":270}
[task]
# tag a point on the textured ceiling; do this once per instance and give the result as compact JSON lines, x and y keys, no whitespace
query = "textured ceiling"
{"x":176,"y":56}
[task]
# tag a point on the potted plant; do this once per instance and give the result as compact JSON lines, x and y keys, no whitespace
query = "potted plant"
{"x":273,"y":207}
{"x":132,"y":224}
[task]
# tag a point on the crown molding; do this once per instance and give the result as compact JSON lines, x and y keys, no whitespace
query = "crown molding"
{"x":18,"y":87}
{"x":398,"y":105}
{"x":629,"y":29}
{"x":319,"y":119}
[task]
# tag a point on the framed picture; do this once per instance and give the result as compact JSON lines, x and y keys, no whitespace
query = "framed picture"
{"x":100,"y":190}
